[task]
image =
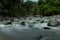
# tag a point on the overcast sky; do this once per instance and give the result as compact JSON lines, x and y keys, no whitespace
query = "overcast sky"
{"x":32,"y":0}
{"x":35,"y":0}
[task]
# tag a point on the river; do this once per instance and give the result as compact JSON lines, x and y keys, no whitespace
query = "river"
{"x":19,"y":32}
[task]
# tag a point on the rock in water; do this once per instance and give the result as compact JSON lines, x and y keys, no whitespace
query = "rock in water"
{"x":34,"y":22}
{"x":46,"y":28}
{"x":53,"y":22}
{"x":40,"y":37}
{"x":30,"y":25}
{"x":37,"y":20}
{"x":6,"y":19}
{"x":11,"y":20}
{"x":48,"y":38}
{"x":30,"y":18}
{"x":23,"y":23}
{"x":42,"y":21}
{"x":8,"y":23}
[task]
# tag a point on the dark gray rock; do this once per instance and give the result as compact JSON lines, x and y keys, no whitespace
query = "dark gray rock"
{"x":40,"y":37}
{"x":31,"y":26}
{"x":1,"y":19}
{"x":6,"y":19}
{"x":42,"y":21}
{"x":48,"y":38}
{"x":23,"y":23}
{"x":53,"y":22}
{"x":11,"y":20}
{"x":8,"y":23}
{"x":46,"y":28}
{"x":34,"y":22}
{"x":37,"y":20}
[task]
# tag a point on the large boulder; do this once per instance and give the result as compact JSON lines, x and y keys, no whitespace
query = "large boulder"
{"x":53,"y":22}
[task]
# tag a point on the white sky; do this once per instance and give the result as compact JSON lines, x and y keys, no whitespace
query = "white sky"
{"x":35,"y":0}
{"x":32,"y":0}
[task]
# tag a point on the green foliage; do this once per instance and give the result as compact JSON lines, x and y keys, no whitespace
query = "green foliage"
{"x":49,"y":7}
{"x":20,"y":8}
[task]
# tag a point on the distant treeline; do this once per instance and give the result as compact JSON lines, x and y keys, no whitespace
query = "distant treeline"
{"x":21,"y":8}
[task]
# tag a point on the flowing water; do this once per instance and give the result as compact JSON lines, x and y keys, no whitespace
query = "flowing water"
{"x":19,"y":32}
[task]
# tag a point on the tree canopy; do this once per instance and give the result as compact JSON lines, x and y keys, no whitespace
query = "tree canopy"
{"x":21,"y":8}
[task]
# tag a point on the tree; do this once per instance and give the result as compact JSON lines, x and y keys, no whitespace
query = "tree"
{"x":49,"y":7}
{"x":11,"y":7}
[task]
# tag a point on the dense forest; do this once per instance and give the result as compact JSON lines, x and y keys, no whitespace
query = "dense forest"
{"x":21,"y":8}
